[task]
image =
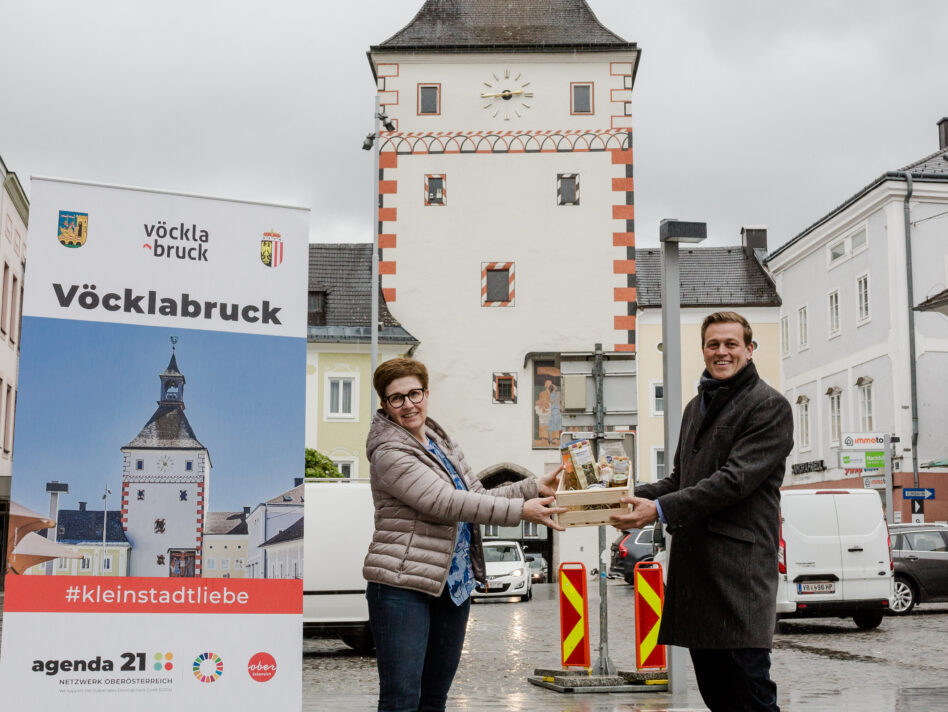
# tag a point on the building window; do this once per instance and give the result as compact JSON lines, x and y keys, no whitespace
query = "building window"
{"x":858,"y":241}
{"x":141,"y":495}
{"x":107,"y":563}
{"x":435,"y":190}
{"x":567,"y":189}
{"x":531,"y":530}
{"x":85,"y":564}
{"x":160,"y":560}
{"x":836,"y":414}
{"x":837,"y":251}
{"x":238,"y":564}
{"x":8,"y":420}
{"x":4,"y":303}
{"x":210,"y":564}
{"x":344,"y":467}
{"x":429,"y":99}
{"x":505,"y":388}
{"x":659,"y":463}
{"x":497,"y":284}
{"x":159,"y":526}
{"x":341,"y":399}
{"x":864,"y":386}
{"x":803,"y":333}
{"x":834,"y":313}
{"x":803,"y":422}
{"x":139,"y":464}
{"x":658,"y":397}
{"x":785,"y":335}
{"x":316,"y":309}
{"x":183,"y":495}
{"x":62,"y":564}
{"x":862,"y":298}
{"x":581,"y":98}
{"x":491,"y":530}
{"x":849,"y":245}
{"x":188,"y":465}
{"x":14,"y":293}
{"x":225,"y":564}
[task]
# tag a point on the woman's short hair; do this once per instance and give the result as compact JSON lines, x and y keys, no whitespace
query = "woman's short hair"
{"x":395,"y":368}
{"x":727,"y":317}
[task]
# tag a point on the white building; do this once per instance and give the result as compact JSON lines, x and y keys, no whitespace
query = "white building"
{"x":845,"y":338}
{"x":506,"y":209}
{"x":165,"y":487}
{"x":14,"y":217}
{"x":285,"y":552}
{"x":265,"y":521}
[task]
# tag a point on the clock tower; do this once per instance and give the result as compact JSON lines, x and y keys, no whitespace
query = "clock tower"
{"x":165,"y":478}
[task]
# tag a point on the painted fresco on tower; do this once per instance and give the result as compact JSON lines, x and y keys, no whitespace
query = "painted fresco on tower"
{"x":547,"y":405}
{"x":146,"y":454}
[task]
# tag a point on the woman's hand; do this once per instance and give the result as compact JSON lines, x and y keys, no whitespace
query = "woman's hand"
{"x":539,"y":511}
{"x":548,"y":483}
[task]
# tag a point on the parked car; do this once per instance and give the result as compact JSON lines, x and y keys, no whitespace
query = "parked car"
{"x":538,"y":568}
{"x":629,"y":548}
{"x":920,"y":552}
{"x":507,"y":572}
{"x":834,"y":556}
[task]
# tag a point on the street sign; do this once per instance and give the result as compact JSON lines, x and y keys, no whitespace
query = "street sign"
{"x":918,"y":511}
{"x":863,"y":441}
{"x":926,"y":493}
{"x":862,"y":460}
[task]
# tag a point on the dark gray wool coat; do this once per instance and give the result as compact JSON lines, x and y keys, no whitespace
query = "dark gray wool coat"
{"x":722,"y":506}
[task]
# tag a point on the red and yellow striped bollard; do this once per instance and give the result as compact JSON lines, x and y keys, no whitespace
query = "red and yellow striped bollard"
{"x":649,"y":598}
{"x":574,"y":615}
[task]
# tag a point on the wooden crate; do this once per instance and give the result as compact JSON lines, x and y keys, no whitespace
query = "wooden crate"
{"x":593,"y":517}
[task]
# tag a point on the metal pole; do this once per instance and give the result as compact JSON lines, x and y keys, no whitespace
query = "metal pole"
{"x":376,"y":206}
{"x":671,"y":366}
{"x":603,"y":666}
{"x":889,"y":447}
{"x":909,"y":284}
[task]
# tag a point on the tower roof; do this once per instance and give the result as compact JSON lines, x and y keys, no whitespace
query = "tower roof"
{"x":485,"y":25}
{"x":168,"y":428}
{"x":172,"y":369}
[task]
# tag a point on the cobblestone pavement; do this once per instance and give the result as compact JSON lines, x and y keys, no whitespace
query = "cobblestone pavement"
{"x":819,"y":665}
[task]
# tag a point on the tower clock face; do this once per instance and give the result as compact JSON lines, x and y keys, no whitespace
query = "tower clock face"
{"x":506,"y":95}
{"x":165,"y":463}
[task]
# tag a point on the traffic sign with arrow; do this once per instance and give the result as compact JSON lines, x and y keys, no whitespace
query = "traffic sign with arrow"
{"x":910,"y":493}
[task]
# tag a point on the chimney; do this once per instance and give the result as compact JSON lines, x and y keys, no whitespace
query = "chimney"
{"x":943,"y":134}
{"x":754,"y":241}
{"x":82,"y":506}
{"x":297,"y":481}
{"x":246,"y":511}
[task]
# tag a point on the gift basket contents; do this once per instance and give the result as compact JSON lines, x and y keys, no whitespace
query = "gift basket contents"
{"x":589,"y":487}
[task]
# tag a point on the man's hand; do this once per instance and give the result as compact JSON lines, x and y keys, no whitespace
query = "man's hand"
{"x":643,"y":513}
{"x":548,"y":483}
{"x":539,"y":511}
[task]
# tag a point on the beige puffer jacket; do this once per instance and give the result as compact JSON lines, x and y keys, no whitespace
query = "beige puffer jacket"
{"x":417,"y":508}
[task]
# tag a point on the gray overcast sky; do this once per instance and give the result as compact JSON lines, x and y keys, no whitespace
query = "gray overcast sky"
{"x":746,"y":111}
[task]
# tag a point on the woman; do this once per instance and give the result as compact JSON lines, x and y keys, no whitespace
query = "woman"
{"x":426,"y":550}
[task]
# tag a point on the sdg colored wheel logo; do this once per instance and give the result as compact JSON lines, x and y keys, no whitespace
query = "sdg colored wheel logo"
{"x":208,"y":667}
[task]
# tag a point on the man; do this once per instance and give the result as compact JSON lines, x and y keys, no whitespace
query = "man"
{"x":722,"y":504}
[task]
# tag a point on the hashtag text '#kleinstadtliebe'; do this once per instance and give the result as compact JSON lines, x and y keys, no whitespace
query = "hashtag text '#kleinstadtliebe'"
{"x":181,"y":596}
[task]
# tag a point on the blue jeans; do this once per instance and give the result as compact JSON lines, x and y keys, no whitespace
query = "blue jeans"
{"x":418,"y":641}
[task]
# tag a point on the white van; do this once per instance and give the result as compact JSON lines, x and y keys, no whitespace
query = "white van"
{"x":835,"y":557}
{"x":337,"y":531}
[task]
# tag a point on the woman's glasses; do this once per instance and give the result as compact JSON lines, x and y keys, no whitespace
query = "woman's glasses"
{"x":397,"y":400}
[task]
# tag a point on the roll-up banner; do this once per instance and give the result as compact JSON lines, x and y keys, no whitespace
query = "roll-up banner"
{"x":155,"y":554}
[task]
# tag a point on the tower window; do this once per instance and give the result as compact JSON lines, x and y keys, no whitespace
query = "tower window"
{"x":183,"y":495}
{"x":189,"y":465}
{"x":141,"y":495}
{"x":316,"y":308}
{"x":567,"y":189}
{"x":139,"y":464}
{"x":505,"y":388}
{"x":581,"y":98}
{"x":429,"y":99}
{"x":497,"y":284}
{"x":435,"y":191}
{"x":159,"y":526}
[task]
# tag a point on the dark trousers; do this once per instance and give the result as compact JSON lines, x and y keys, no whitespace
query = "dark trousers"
{"x":735,"y":680}
{"x":418,"y":641}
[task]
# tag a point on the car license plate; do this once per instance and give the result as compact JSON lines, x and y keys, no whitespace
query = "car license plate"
{"x":816,"y":587}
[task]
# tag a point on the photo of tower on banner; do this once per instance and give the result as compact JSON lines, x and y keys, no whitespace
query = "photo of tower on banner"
{"x":156,"y":536}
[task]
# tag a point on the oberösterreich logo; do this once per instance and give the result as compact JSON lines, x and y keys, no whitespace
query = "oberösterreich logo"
{"x":208,"y":667}
{"x":271,"y":249}
{"x":73,"y":228}
{"x":262,"y":667}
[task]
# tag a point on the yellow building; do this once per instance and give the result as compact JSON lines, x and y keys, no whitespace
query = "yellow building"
{"x":338,"y":355}
{"x":225,"y":545}
{"x":712,"y":279}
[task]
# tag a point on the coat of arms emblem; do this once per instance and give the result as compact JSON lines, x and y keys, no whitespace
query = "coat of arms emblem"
{"x":271,"y":249}
{"x":73,"y":228}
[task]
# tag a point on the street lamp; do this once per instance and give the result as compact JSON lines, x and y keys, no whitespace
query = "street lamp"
{"x":370,"y":141}
{"x":670,"y":233}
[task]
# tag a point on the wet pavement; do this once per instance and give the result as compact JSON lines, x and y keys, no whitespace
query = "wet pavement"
{"x":819,"y":666}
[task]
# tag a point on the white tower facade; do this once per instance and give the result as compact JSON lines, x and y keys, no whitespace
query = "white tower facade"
{"x":165,"y":478}
{"x":506,"y":208}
